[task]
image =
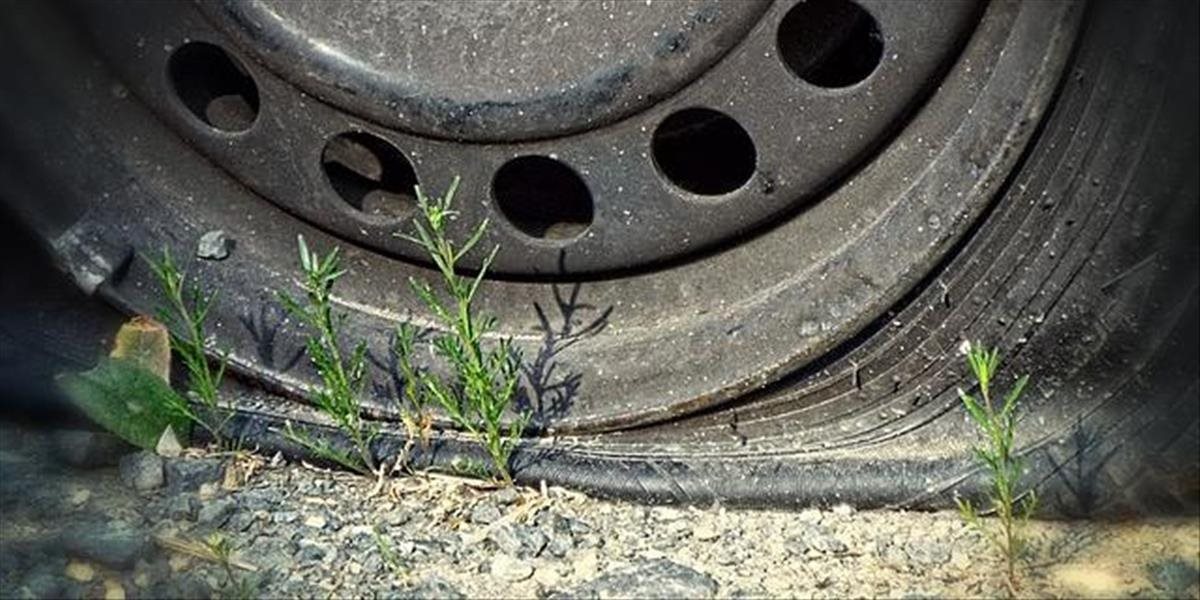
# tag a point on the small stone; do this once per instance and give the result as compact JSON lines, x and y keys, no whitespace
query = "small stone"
{"x":188,"y":474}
{"x":506,"y":496}
{"x":183,"y":507}
{"x":311,"y":551}
{"x":284,"y":517}
{"x":927,"y":552}
{"x":80,"y":496}
{"x":587,"y":564}
{"x":842,"y":510}
{"x":168,"y":444}
{"x":519,"y":540}
{"x":114,"y":544}
{"x":80,"y":571}
{"x":214,"y":245}
{"x":113,"y":590}
{"x":397,"y":517}
{"x":142,"y":471}
{"x":485,"y":513}
{"x":216,"y":512}
{"x":547,"y":578}
{"x":705,"y":532}
{"x":511,"y":569}
{"x":816,"y":539}
{"x":809,"y":515}
{"x":315,"y":521}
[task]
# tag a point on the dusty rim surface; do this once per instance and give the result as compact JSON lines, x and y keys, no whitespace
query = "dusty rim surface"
{"x":84,"y":517}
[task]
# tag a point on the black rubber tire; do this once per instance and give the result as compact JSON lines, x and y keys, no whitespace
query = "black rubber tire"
{"x":1084,"y":270}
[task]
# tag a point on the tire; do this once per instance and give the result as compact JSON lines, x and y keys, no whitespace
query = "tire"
{"x":1072,"y":247}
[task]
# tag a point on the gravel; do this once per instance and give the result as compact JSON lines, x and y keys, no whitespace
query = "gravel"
{"x":648,"y":579}
{"x":313,"y":533}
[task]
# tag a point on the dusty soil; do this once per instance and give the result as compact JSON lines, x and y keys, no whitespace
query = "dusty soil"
{"x":82,"y":517}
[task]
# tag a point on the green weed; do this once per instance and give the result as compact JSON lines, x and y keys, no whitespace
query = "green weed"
{"x":484,"y":380}
{"x":998,"y":424}
{"x":235,"y":587}
{"x":387,"y":554}
{"x":184,"y":314}
{"x":343,"y":376}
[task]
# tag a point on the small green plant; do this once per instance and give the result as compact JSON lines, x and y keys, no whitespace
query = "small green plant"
{"x":484,"y":380}
{"x":414,"y":413}
{"x":184,"y":314}
{"x":469,"y":467}
{"x":343,"y":375}
{"x":220,"y":550}
{"x":386,"y":553}
{"x":998,"y":424}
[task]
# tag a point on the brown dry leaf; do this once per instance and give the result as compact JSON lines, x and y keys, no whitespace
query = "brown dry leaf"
{"x":146,"y":343}
{"x":239,"y":470}
{"x":199,"y":550}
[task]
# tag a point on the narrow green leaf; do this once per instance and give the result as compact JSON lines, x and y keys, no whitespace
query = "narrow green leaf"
{"x":128,"y":400}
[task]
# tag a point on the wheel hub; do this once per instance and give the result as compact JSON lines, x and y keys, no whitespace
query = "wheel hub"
{"x":488,"y":71}
{"x":619,"y":136}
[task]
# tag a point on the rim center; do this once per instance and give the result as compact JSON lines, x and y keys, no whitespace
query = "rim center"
{"x":503,"y":70}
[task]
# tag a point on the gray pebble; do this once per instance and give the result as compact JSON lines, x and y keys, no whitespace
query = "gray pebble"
{"x":216,"y":512}
{"x":112,"y":543}
{"x":927,"y":552}
{"x":519,"y":541}
{"x":810,"y":538}
{"x":506,"y":496}
{"x":485,"y":513}
{"x":182,"y":507}
{"x":284,"y":517}
{"x":214,"y":245}
{"x":188,"y":474}
{"x":142,"y":470}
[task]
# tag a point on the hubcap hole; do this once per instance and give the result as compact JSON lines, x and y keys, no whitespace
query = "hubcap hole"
{"x":543,"y":198}
{"x":214,"y":86}
{"x":704,"y":151}
{"x":830,"y":43}
{"x":370,"y":175}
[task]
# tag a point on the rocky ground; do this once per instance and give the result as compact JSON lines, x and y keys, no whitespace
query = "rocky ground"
{"x":82,"y":517}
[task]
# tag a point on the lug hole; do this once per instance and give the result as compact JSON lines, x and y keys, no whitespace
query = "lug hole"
{"x":704,"y":151}
{"x":214,"y":86}
{"x":830,"y":43}
{"x":543,"y":198}
{"x":370,"y":175}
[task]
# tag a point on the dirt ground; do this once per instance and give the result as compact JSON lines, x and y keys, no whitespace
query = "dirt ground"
{"x":85,"y":518}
